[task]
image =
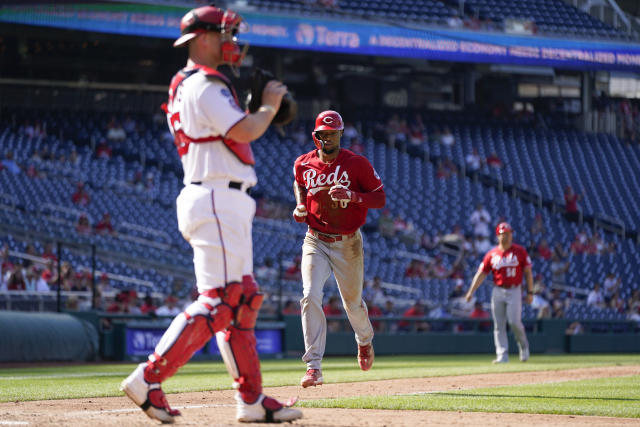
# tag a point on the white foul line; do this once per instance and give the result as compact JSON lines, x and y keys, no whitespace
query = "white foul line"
{"x":113,"y":411}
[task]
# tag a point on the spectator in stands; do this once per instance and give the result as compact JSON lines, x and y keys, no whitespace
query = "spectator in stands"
{"x":350,"y":131}
{"x":558,"y":304}
{"x":539,"y":303}
{"x":356,"y":145}
{"x":543,"y":250}
{"x":83,"y":226}
{"x":10,"y":164}
{"x":571,"y":199}
{"x":80,"y":196}
{"x":494,"y":161}
{"x":103,"y":284}
{"x":133,"y":302}
{"x":612,"y":284}
{"x":120,"y":304}
{"x":575,"y":328}
{"x":170,"y":307}
{"x":50,"y":274}
{"x":538,"y":226}
{"x":559,"y":251}
{"x":103,"y":150}
{"x":148,"y":307}
{"x":333,"y":308}
{"x":291,"y":307}
{"x":416,"y":269}
{"x":635,"y":316}
{"x":415,"y":311}
{"x":41,"y":284}
{"x":578,"y":246}
{"x":480,"y":220}
{"x":473,"y":160}
{"x":634,"y":301}
{"x":559,"y":269}
{"x":417,"y":137}
{"x":446,"y":137}
{"x":115,"y":132}
{"x":454,"y":21}
{"x":595,"y":297}
{"x":104,"y":226}
{"x":596,"y":244}
{"x":482,"y":245}
{"x":617,"y":303}
{"x":385,"y":224}
{"x":16,"y":281}
{"x":294,"y":271}
{"x":480,"y":313}
{"x":47,"y":252}
{"x":267,"y":271}
{"x":374,"y":311}
{"x":457,"y":291}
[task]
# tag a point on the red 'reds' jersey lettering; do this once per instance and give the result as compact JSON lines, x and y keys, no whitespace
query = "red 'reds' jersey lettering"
{"x":348,"y":169}
{"x":507,"y":266}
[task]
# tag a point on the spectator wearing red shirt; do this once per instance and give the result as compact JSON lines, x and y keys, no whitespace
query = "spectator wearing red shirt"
{"x":332,"y":309}
{"x":16,"y":280}
{"x":571,"y":200}
{"x":494,"y":161}
{"x":416,"y":268}
{"x":103,"y":151}
{"x":480,"y":313}
{"x":47,"y":253}
{"x":290,"y":307}
{"x":148,"y":307}
{"x":544,"y":251}
{"x":80,"y":197}
{"x":104,"y":226}
{"x":83,"y":226}
{"x":416,"y":310}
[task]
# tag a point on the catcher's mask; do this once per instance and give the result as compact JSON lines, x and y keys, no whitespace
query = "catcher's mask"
{"x":210,"y":18}
{"x":327,"y":120}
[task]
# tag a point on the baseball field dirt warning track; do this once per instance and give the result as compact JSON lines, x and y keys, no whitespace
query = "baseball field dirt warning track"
{"x":216,"y":408}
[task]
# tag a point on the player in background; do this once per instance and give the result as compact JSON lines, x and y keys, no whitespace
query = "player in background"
{"x":334,"y":188}
{"x":508,"y":262}
{"x":215,"y":213}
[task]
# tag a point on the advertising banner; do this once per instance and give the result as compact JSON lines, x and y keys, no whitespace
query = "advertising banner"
{"x":344,"y":36}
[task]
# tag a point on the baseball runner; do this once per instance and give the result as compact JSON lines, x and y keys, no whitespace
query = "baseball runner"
{"x":508,"y":261}
{"x":215,"y":213}
{"x":334,"y":188}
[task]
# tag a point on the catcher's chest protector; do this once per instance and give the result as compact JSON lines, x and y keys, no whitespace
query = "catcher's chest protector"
{"x":242,"y":151}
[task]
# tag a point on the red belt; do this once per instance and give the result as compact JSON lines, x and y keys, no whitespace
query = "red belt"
{"x":508,"y":286}
{"x":330,"y":238}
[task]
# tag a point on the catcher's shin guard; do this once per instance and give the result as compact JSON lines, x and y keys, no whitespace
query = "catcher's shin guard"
{"x":188,"y":332}
{"x":238,"y":344}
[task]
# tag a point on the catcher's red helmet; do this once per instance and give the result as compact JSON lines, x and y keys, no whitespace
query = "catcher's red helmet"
{"x":211,"y":18}
{"x":327,"y":120}
{"x":503,"y":227}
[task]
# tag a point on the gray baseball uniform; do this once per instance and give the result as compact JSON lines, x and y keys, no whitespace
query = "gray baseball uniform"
{"x":506,"y":299}
{"x":333,"y":243}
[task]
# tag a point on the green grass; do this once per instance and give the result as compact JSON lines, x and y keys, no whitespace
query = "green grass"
{"x":51,"y":382}
{"x":612,"y":397}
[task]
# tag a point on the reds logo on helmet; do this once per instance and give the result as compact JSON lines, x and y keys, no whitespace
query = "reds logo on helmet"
{"x":327,"y":120}
{"x":503,"y":227}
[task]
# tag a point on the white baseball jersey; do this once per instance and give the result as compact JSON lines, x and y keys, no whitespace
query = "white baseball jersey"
{"x":198,"y":110}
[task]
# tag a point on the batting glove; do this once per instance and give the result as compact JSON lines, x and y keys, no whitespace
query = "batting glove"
{"x":299,"y":213}
{"x":340,"y":193}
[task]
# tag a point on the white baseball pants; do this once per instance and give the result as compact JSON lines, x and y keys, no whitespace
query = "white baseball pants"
{"x":506,"y":306}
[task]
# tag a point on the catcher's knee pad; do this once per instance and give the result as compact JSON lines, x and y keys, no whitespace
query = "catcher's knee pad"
{"x":188,"y":332}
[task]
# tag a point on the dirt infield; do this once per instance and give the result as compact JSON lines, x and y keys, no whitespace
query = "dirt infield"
{"x":216,"y":408}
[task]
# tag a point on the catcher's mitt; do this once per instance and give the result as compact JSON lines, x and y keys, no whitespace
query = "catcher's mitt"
{"x":288,"y":107}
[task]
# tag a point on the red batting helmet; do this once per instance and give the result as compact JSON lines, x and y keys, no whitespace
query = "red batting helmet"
{"x":503,"y":227}
{"x":327,"y":120}
{"x":211,"y":18}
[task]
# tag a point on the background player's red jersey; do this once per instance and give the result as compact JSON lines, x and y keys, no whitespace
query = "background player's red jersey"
{"x":348,"y":169}
{"x":507,"y":266}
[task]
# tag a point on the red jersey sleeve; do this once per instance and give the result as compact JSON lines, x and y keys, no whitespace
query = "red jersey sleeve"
{"x":368,"y":178}
{"x":485,"y":265}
